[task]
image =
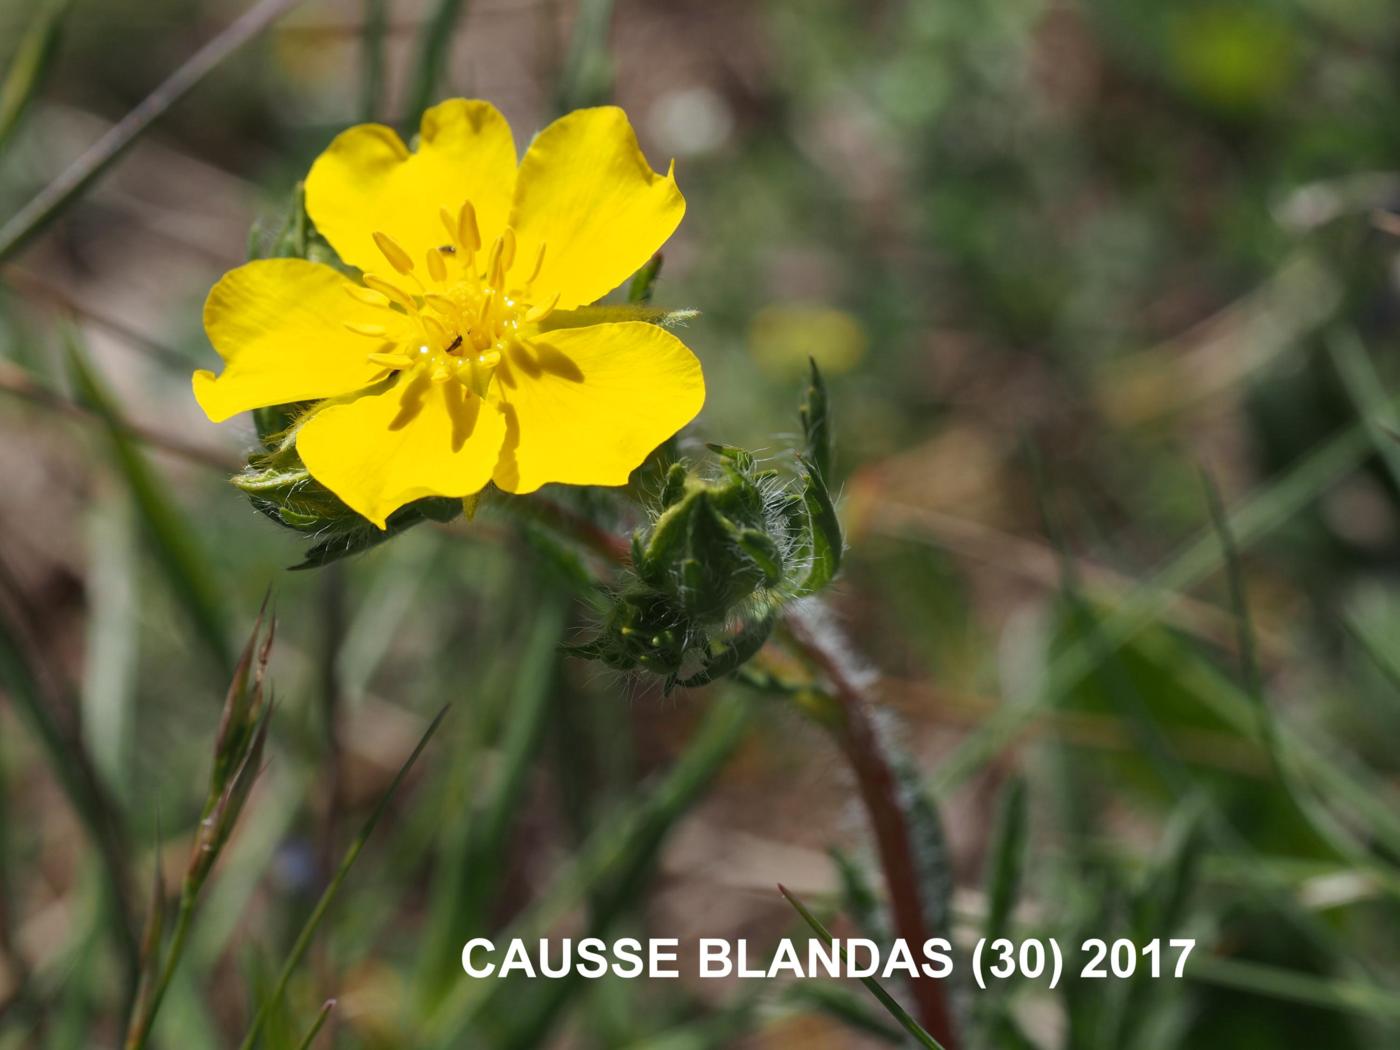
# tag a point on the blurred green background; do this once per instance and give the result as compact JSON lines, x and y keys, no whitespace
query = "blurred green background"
{"x":1071,"y":269}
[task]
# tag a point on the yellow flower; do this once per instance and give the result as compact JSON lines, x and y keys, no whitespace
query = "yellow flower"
{"x":460,"y":356}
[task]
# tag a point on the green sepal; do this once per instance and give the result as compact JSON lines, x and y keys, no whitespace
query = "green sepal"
{"x":823,"y":532}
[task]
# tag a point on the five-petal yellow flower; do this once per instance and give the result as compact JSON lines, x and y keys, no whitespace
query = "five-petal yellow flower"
{"x":456,"y":359}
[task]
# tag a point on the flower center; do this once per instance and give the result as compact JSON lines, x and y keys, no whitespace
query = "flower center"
{"x":469,"y":308}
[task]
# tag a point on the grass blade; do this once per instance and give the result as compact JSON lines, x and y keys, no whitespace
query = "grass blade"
{"x":885,"y":999}
{"x":372,"y":58}
{"x":308,"y":930}
{"x":1275,"y":983}
{"x":29,"y":691}
{"x":317,"y":1025}
{"x":172,"y":541}
{"x":608,"y":866}
{"x":1007,"y":860}
{"x":434,"y":50}
{"x":61,"y":192}
{"x":1258,"y":516}
{"x":29,"y":65}
{"x":472,"y":871}
{"x":586,"y":77}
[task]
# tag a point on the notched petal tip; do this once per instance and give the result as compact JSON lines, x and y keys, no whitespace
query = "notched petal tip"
{"x":587,"y":190}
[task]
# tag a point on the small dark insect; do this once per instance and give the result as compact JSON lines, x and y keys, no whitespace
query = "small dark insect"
{"x":455,"y":344}
{"x":447,"y":249}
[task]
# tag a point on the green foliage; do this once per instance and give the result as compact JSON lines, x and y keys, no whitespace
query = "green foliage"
{"x":28,"y":65}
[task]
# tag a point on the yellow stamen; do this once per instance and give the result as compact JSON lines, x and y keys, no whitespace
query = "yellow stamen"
{"x":436,"y":267}
{"x":539,"y":262}
{"x":450,"y":225}
{"x":378,"y":331}
{"x":542,"y":310}
{"x":493,"y":266}
{"x":468,"y":233}
{"x":398,"y":258}
{"x":443,"y":305}
{"x":391,"y":291}
{"x":507,"y":249}
{"x":442,"y":335}
{"x":394,"y":361}
{"x":368,"y":296}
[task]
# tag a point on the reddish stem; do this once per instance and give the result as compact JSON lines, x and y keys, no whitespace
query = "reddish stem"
{"x":860,"y":743}
{"x":879,"y":790}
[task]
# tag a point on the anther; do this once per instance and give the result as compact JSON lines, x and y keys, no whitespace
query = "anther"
{"x":468,"y":234}
{"x":449,"y":224}
{"x":454,"y":345}
{"x":440,"y":334}
{"x":398,"y":258}
{"x":391,"y":291}
{"x":542,"y":310}
{"x":378,"y":331}
{"x":436,"y":267}
{"x":539,"y":262}
{"x":493,"y":265}
{"x":394,"y":361}
{"x":368,"y":296}
{"x":507,"y":249}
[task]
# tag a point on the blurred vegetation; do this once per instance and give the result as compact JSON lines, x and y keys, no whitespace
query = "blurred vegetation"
{"x":1106,"y":298}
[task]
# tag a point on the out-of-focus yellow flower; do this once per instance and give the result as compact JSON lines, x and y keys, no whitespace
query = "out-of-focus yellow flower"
{"x":784,"y":337}
{"x":460,"y":356}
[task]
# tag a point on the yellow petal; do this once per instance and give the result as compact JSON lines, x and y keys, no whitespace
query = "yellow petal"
{"x":279,"y":325}
{"x":586,"y":191}
{"x":416,"y":438}
{"x":585,"y":406}
{"x":367,"y":181}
